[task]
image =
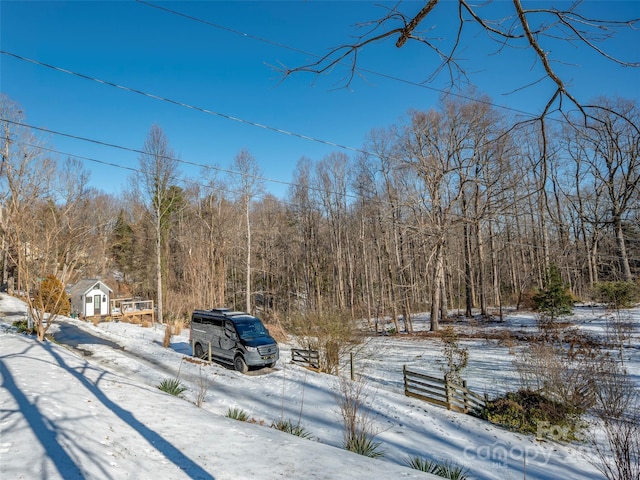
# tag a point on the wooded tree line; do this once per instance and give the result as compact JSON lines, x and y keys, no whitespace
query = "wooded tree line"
{"x":459,"y":208}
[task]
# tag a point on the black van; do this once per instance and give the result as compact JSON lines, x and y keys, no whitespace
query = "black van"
{"x":234,"y":338}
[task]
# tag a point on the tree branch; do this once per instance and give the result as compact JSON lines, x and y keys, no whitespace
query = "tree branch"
{"x":411,"y":26}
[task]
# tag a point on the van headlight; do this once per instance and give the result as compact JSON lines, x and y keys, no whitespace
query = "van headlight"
{"x":252,"y":349}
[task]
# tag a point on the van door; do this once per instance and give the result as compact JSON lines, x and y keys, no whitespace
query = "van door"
{"x":214,"y":335}
{"x":197,"y":334}
{"x":228,"y":340}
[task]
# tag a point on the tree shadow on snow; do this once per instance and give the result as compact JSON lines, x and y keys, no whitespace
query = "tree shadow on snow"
{"x":49,"y":435}
{"x":169,"y":451}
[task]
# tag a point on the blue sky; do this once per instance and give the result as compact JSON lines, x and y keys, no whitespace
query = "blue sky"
{"x":232,"y":75}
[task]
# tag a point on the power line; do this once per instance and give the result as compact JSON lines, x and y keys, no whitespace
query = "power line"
{"x":310,"y":54}
{"x":141,"y":152}
{"x":218,"y":188}
{"x":185,"y":105}
{"x":179,"y":103}
{"x":116,"y":165}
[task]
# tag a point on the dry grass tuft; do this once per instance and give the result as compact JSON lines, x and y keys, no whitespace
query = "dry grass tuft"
{"x":278,"y":332}
{"x":178,"y":326}
{"x":167,"y":335}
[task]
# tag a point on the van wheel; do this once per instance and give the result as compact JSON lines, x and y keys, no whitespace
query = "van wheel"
{"x":240,"y":365}
{"x":199,"y":353}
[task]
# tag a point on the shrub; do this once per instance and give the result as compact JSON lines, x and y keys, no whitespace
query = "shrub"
{"x":178,"y":326}
{"x":618,"y":412}
{"x":617,"y":294}
{"x":352,"y":398}
{"x":172,"y":386}
{"x":238,"y":414}
{"x":204,"y":383}
{"x":531,"y":412}
{"x":289,"y":427}
{"x":561,"y":367}
{"x":51,"y":297}
{"x":331,"y":333}
{"x":445,"y":470}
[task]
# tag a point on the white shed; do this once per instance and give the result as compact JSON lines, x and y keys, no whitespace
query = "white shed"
{"x":90,"y":298}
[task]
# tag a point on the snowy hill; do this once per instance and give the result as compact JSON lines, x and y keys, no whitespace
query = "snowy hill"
{"x":94,"y":411}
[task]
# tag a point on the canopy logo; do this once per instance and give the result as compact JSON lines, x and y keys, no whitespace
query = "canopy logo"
{"x":502,"y":453}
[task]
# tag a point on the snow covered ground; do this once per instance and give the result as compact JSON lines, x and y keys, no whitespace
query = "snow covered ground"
{"x":94,"y":411}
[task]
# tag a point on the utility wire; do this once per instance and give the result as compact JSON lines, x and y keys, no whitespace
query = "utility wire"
{"x":142,"y":152}
{"x":116,"y":165}
{"x":378,"y":201}
{"x":504,"y":242}
{"x":186,"y":105}
{"x":310,"y":54}
{"x":179,"y":103}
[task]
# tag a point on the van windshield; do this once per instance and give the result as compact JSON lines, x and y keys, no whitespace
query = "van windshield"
{"x":250,"y":328}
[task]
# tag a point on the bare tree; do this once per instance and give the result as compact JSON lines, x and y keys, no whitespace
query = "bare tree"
{"x":533,"y":31}
{"x":306,"y":215}
{"x":48,"y":232}
{"x":610,"y":148}
{"x":26,"y":173}
{"x":206,"y":257}
{"x":618,"y":411}
{"x":249,"y":185}
{"x":332,"y":180}
{"x":158,"y":172}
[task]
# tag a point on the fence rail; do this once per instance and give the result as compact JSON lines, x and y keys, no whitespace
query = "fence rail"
{"x":439,"y":391}
{"x":308,"y":358}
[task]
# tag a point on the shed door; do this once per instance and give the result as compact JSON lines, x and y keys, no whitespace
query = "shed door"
{"x":96,"y":305}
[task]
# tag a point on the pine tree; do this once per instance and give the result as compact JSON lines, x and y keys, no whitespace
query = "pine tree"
{"x":554,"y":300}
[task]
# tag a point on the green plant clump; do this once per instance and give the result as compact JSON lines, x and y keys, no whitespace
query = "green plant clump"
{"x":618,"y":294}
{"x":445,"y":470}
{"x":172,"y":386}
{"x":292,"y":428}
{"x":23,"y":327}
{"x":363,"y":444}
{"x":237,"y":414}
{"x":530,"y":412}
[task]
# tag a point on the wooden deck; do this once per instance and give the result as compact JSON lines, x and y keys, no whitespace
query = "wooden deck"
{"x":131,"y":309}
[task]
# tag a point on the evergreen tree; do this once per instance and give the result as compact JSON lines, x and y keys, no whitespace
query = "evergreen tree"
{"x":122,"y":245}
{"x":554,"y":300}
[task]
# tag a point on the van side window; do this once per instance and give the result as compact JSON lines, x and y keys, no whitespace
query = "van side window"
{"x":230,"y":330}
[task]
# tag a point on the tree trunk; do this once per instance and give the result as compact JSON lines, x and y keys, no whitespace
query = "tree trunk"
{"x":437,"y":287}
{"x":248,"y":272}
{"x":622,"y":250}
{"x":159,"y":295}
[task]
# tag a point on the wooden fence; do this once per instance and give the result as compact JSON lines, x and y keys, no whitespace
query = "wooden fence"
{"x":308,"y":358}
{"x":438,"y":391}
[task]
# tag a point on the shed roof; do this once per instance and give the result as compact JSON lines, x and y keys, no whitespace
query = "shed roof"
{"x":84,"y":286}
